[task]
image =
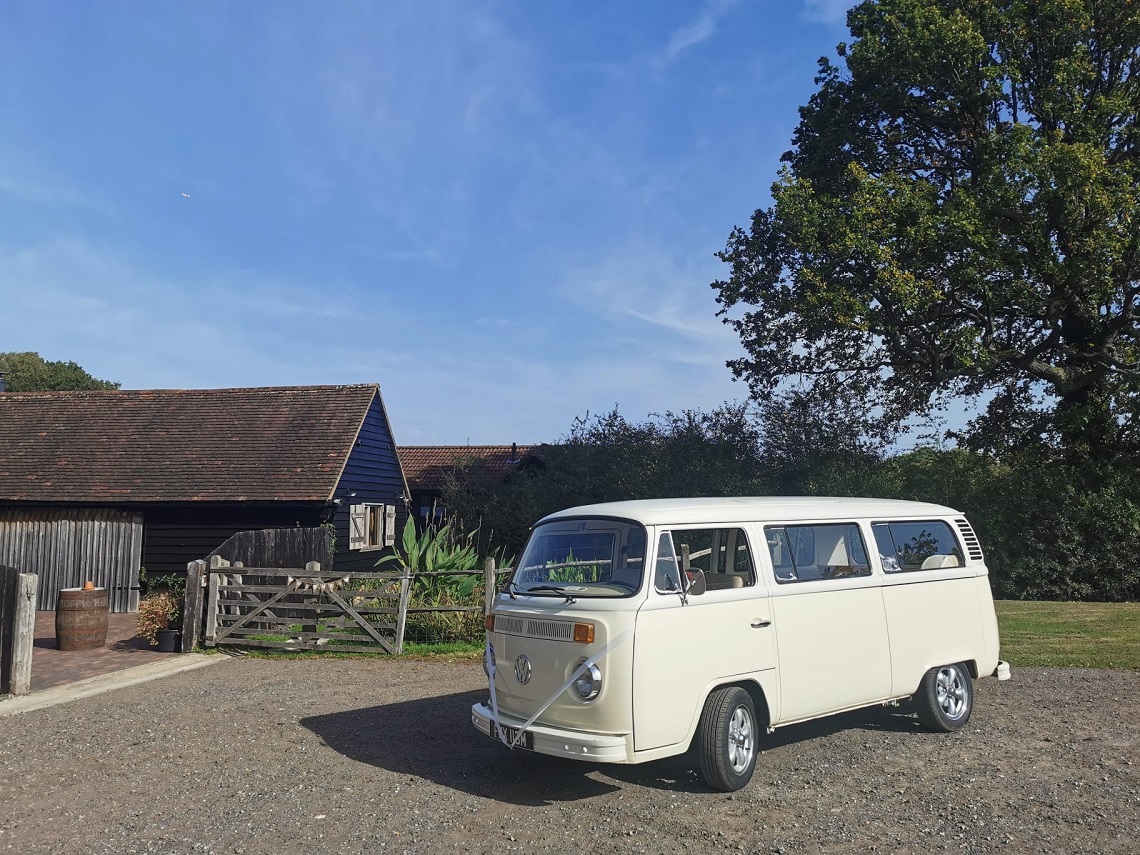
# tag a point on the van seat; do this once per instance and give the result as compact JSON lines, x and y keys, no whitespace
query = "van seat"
{"x":937,"y":562}
{"x":722,"y":581}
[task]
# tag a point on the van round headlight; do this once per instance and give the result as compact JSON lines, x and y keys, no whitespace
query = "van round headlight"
{"x":589,"y":683}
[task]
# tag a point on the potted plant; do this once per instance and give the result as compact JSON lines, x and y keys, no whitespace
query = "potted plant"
{"x":160,"y":615}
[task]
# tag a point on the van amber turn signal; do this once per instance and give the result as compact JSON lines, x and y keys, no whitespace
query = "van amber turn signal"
{"x":584,"y":633}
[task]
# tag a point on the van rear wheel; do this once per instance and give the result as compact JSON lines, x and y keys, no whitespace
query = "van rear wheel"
{"x":945,"y":698}
{"x":726,"y":739}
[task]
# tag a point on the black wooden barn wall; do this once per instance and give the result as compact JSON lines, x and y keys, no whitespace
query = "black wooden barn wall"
{"x":179,"y":534}
{"x":373,"y":474}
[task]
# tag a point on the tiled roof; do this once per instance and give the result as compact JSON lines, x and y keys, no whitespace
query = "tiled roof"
{"x":426,"y":466}
{"x":198,"y":445}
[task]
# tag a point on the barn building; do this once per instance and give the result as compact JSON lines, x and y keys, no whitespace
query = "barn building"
{"x":96,"y":485}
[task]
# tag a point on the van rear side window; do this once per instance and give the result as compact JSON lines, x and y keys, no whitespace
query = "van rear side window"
{"x":801,"y":553}
{"x":907,"y":546}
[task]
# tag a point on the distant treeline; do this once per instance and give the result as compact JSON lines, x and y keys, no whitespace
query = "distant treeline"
{"x":1053,"y":526}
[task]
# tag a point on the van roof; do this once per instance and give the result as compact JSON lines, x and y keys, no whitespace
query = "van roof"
{"x":753,"y":509}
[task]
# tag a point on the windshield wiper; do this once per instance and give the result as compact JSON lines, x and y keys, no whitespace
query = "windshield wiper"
{"x":511,"y":589}
{"x":557,"y":589}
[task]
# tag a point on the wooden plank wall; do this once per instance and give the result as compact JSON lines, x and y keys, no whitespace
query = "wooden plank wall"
{"x":179,"y":534}
{"x":371,"y":474}
{"x":279,"y":547}
{"x":66,"y":547}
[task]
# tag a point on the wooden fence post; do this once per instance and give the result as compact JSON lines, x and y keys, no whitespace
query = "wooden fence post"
{"x":212,"y":605}
{"x":489,"y":583}
{"x":402,"y":609}
{"x":313,"y":569}
{"x":23,"y":638}
{"x":192,"y":606}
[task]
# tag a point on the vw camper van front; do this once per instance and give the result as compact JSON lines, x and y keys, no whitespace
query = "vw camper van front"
{"x":559,"y":642}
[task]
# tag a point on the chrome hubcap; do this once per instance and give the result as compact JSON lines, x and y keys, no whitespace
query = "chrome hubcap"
{"x":741,"y":742}
{"x":951,"y":692}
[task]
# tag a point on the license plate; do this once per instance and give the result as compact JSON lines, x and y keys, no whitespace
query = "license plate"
{"x":526,"y":742}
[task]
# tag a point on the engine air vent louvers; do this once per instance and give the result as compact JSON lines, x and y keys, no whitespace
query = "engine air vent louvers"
{"x":973,"y":547}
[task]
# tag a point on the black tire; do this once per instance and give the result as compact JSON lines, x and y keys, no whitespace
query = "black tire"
{"x":727,"y":739}
{"x":945,"y":698}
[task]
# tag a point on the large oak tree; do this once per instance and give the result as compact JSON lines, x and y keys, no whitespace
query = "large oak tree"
{"x":959,"y":215}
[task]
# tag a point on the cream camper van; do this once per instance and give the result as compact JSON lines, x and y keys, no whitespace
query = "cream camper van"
{"x":632,"y":631}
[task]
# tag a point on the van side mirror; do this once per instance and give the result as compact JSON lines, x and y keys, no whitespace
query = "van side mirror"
{"x":695,"y":582}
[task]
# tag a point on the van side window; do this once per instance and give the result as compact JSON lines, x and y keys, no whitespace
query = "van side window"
{"x":906,"y":546}
{"x":666,"y":577}
{"x":801,"y":553}
{"x":722,"y":553}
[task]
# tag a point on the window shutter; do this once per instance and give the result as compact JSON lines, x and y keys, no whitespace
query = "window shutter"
{"x":390,"y":525}
{"x":357,"y":526}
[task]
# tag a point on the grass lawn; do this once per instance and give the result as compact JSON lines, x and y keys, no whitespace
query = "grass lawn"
{"x":1094,"y":635}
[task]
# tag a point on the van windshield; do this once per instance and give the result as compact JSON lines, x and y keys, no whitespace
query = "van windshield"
{"x":582,"y":558}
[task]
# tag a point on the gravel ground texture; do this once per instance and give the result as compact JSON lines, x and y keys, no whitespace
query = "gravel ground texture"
{"x":379,"y":756}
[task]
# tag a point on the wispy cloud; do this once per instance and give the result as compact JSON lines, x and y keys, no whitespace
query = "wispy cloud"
{"x":407,"y":100}
{"x":829,"y":12}
{"x":700,"y":30}
{"x":649,"y":284}
{"x":84,"y":302}
{"x":27,"y":181}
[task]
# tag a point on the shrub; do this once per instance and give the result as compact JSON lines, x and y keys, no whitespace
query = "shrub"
{"x":158,"y":611}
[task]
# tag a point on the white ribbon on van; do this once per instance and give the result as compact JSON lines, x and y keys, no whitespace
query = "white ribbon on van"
{"x":489,"y":663}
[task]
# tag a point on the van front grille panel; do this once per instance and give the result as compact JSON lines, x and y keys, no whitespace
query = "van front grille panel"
{"x":555,"y":630}
{"x":552,"y":630}
{"x":510,"y":625}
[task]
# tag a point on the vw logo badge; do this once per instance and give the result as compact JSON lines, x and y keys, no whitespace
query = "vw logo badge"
{"x":522,"y":669}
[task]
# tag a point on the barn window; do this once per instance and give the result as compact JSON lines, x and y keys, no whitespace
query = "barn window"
{"x":371,"y":526}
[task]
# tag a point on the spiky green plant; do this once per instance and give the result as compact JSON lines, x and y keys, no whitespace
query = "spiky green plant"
{"x":441,"y":549}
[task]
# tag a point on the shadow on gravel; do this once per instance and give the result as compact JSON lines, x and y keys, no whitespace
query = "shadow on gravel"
{"x":432,"y":738}
{"x":679,"y":774}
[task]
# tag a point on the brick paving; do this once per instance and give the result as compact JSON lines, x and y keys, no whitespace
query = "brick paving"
{"x":54,"y":667}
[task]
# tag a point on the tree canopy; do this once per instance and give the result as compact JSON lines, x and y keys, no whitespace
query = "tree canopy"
{"x":959,"y":216}
{"x":30,"y":372}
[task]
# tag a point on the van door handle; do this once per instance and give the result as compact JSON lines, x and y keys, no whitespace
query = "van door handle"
{"x":760,"y":623}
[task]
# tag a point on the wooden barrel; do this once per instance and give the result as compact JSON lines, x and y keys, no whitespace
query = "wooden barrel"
{"x":81,"y":619}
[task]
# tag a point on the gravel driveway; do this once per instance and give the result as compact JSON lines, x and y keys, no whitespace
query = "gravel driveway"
{"x":334,"y":756}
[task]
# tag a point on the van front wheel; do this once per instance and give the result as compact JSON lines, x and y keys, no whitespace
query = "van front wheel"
{"x":726,"y":739}
{"x":945,"y":698}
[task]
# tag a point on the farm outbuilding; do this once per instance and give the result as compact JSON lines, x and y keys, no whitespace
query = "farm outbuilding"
{"x":427,"y":468}
{"x":97,"y":485}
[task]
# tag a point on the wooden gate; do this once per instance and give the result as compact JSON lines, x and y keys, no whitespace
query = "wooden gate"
{"x":305,"y":608}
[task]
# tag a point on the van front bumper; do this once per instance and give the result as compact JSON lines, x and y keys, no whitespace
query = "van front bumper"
{"x":1002,"y":670}
{"x":558,"y":742}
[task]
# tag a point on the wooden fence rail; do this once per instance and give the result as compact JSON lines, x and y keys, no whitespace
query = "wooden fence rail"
{"x":305,"y":608}
{"x":441,"y":611}
{"x":311,"y":608}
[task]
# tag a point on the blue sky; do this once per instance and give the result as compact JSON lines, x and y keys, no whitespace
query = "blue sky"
{"x":504,"y":213}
